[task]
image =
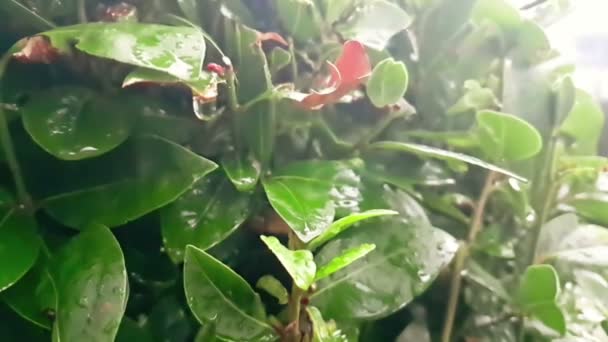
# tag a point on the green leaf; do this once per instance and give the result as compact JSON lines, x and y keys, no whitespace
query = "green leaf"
{"x":532,"y":44}
{"x":592,"y":205}
{"x":564,"y":239}
{"x":507,"y":137}
{"x":387,"y":83}
{"x":178,"y":51}
{"x":500,"y":12}
{"x":215,"y":293}
{"x":376,"y":23}
{"x":19,"y":245}
{"x":204,"y":86}
{"x":299,"y":264}
{"x":162,"y":120}
{"x":33,"y":296}
{"x":130,"y":331}
{"x":448,"y":156}
{"x":19,"y":12}
{"x":300,"y":18}
{"x":584,"y":123}
{"x":279,"y":59}
{"x":323,"y":331}
{"x":243,"y":171}
{"x":479,"y":275}
{"x":408,"y":256}
{"x":475,"y":98}
{"x":344,"y":223}
{"x":348,"y":257}
{"x":75,"y":123}
{"x":161,"y":172}
{"x":301,"y":193}
{"x":334,"y":10}
{"x":203,"y":216}
{"x":273,"y":287}
{"x":91,"y":282}
{"x":537,"y":295}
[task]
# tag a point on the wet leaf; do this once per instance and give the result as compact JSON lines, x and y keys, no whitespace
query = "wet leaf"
{"x":91,"y":282}
{"x":75,"y":123}
{"x":348,"y":257}
{"x":217,"y":294}
{"x":161,"y":172}
{"x":203,"y":216}
{"x":203,"y":88}
{"x":298,"y":263}
{"x":243,"y":171}
{"x":388,"y":83}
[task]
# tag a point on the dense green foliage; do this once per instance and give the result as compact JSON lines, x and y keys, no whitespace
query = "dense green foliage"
{"x":296,"y":170}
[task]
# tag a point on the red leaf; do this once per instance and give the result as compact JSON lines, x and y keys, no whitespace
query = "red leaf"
{"x":348,"y":73}
{"x":272,"y":36}
{"x":37,"y":49}
{"x":216,"y":68}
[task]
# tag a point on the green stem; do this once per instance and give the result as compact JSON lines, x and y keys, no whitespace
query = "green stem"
{"x":461,"y":257}
{"x":82,"y":11}
{"x":8,"y":147}
{"x":294,"y":62}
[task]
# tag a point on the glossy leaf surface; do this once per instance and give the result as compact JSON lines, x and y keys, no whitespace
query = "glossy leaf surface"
{"x":298,"y":263}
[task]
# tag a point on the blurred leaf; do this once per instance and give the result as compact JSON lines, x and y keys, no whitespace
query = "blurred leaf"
{"x":442,"y":22}
{"x":168,"y":320}
{"x":300,"y":18}
{"x":415,"y":331}
{"x":24,"y":15}
{"x":91,"y":282}
{"x":406,"y":260}
{"x":323,"y":331}
{"x":334,"y":10}
{"x":273,"y":287}
{"x":475,"y":98}
{"x":243,"y":171}
{"x":160,"y":173}
{"x":19,"y":245}
{"x":592,"y":205}
{"x":348,"y":257}
{"x":532,"y":44}
{"x":298,"y":263}
{"x":217,"y":294}
{"x":376,"y":23}
{"x":130,"y":331}
{"x":204,"y":87}
{"x":33,"y":296}
{"x":160,"y":120}
{"x":301,"y":195}
{"x":74,"y":123}
{"x":448,"y":156}
{"x":595,"y":286}
{"x":500,"y":12}
{"x":537,"y":296}
{"x":203,"y":216}
{"x":480,"y":276}
{"x":584,"y":123}
{"x":506,"y":137}
{"x":344,"y":223}
{"x":279,"y":59}
{"x":387,"y":83}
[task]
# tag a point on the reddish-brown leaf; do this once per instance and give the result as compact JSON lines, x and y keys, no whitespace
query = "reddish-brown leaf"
{"x":37,"y":49}
{"x":270,"y":36}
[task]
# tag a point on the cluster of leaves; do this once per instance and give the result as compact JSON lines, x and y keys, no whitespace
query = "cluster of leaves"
{"x":160,"y":159}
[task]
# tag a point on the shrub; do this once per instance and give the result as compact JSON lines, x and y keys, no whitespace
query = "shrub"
{"x":296,"y":170}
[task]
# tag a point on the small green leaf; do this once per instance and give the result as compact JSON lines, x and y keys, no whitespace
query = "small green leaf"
{"x":74,"y":123}
{"x":90,"y":278}
{"x":300,"y":18}
{"x":376,"y":23}
{"x":477,"y":274}
{"x":346,"y":222}
{"x":388,"y":83}
{"x":279,"y":59}
{"x":299,"y":264}
{"x":347,"y":258}
{"x":537,"y":295}
{"x":592,"y":205}
{"x":507,"y":137}
{"x":448,"y":156}
{"x":131,"y":186}
{"x":243,"y":170}
{"x":274,"y":287}
{"x":475,"y":98}
{"x":301,"y":193}
{"x":203,"y":216}
{"x":19,"y":245}
{"x":323,"y":331}
{"x":215,"y":293}
{"x":584,"y":123}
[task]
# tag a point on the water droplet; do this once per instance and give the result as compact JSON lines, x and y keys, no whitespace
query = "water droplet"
{"x":423,"y":276}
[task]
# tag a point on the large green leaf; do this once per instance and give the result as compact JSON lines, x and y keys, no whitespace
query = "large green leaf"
{"x":507,"y":137}
{"x":91,"y":282}
{"x":592,"y":205}
{"x":584,"y":123}
{"x":300,"y":18}
{"x":178,"y":51}
{"x":203,"y":216}
{"x":564,"y":239}
{"x":299,"y":263}
{"x":33,"y":296}
{"x":243,"y":171}
{"x":151,"y":172}
{"x":75,"y":123}
{"x":344,"y":223}
{"x":376,"y":23}
{"x":203,"y":87}
{"x":19,"y":244}
{"x":433,"y":152}
{"x":348,"y":257}
{"x":388,"y":83}
{"x":217,"y":294}
{"x":407,"y":258}
{"x":301,"y":193}
{"x":537,"y":296}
